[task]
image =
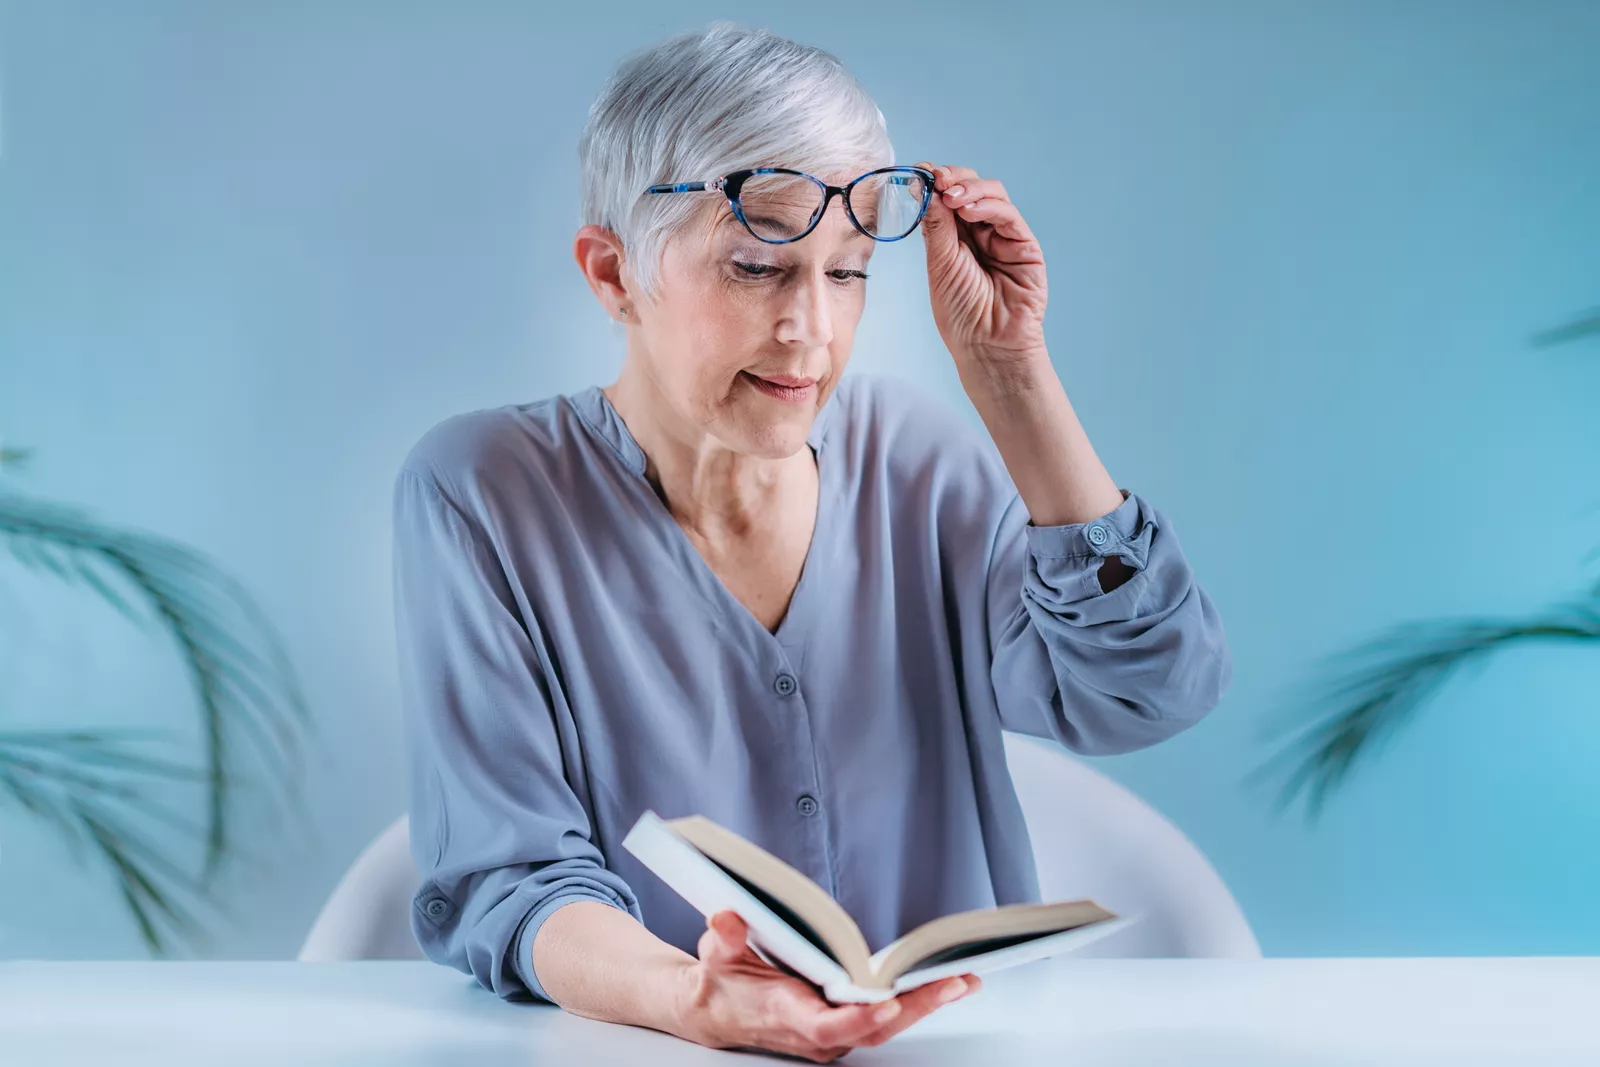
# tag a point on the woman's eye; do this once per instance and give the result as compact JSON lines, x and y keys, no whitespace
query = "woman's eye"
{"x":762,"y":270}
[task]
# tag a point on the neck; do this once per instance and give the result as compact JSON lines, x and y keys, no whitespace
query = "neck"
{"x":706,"y":485}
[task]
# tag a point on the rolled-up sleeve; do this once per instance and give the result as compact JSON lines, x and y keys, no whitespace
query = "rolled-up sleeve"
{"x":1101,"y":672}
{"x":498,"y":835}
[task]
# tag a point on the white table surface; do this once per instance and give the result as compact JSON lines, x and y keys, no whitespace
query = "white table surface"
{"x":1528,"y":1012}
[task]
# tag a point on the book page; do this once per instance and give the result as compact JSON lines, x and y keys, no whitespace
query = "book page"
{"x":1009,"y":924}
{"x":1036,"y":948}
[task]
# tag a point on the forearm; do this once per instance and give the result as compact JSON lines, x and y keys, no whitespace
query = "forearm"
{"x":1046,"y":451}
{"x":601,"y":963}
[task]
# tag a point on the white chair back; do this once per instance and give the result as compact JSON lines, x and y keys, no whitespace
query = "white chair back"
{"x":1094,"y":839}
{"x":368,"y":915}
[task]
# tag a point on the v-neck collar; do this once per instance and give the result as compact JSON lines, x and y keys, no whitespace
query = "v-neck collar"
{"x":597,"y":412}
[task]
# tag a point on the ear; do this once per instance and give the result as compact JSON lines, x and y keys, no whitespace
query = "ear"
{"x":600,"y":256}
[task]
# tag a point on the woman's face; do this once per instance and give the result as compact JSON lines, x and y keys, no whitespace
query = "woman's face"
{"x":746,"y":339}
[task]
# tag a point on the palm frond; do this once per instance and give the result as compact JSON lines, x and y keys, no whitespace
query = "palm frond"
{"x":1369,"y":692}
{"x":13,"y":457}
{"x":1375,"y":688}
{"x":245,"y":686}
{"x":85,"y":784}
{"x":1587,"y":324}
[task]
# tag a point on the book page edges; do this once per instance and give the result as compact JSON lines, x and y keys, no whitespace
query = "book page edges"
{"x":1067,"y":941}
{"x":949,"y":931}
{"x":1059,"y":944}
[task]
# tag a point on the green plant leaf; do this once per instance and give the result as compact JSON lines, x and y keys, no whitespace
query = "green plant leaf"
{"x":1373,"y":690}
{"x":1368,"y":693}
{"x":245,"y":688}
{"x":13,"y":458}
{"x":1585,"y":325}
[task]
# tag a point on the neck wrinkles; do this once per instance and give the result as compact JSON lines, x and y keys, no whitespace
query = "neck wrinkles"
{"x":706,"y":486}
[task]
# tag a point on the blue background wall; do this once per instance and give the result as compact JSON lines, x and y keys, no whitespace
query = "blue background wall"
{"x":248,"y":253}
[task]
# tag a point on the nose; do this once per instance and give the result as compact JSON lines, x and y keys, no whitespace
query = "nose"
{"x":807,"y":318}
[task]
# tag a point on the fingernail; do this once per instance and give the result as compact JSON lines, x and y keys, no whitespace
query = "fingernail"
{"x":952,"y":991}
{"x":954,"y":190}
{"x":887,"y":1012}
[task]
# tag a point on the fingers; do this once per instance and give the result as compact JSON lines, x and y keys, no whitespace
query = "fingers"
{"x":973,"y":199}
{"x":944,"y":174}
{"x":922,"y":1002}
{"x":1000,"y":214}
{"x":827,"y":1026}
{"x":864,"y":1025}
{"x":961,"y":185}
{"x":957,"y":194}
{"x":821,"y":1025}
{"x":799,"y":1021}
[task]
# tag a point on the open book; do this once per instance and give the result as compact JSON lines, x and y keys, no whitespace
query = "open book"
{"x":796,"y":926}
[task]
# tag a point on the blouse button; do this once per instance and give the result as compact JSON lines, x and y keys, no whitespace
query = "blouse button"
{"x":436,"y":907}
{"x":1098,"y":535}
{"x":784,"y":684}
{"x":807,"y":805}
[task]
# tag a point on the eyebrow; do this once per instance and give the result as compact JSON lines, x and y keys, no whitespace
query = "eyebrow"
{"x":758,"y":220}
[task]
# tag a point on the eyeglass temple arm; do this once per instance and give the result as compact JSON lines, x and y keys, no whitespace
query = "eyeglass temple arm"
{"x":685,"y":187}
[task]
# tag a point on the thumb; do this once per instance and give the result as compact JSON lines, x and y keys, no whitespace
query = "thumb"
{"x":724,"y":939}
{"x":939,"y":234}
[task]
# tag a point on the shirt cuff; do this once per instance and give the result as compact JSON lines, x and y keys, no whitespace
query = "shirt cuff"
{"x":1122,"y":531}
{"x":523,"y":941}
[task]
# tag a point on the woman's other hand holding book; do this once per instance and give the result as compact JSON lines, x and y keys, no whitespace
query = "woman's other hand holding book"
{"x":732,"y":998}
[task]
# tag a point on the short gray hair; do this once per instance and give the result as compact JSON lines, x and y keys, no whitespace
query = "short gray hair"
{"x":702,"y":103}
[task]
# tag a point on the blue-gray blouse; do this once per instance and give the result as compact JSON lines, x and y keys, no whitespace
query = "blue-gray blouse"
{"x":568,"y":660}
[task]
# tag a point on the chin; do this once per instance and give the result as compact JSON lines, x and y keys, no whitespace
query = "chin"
{"x":772,"y":438}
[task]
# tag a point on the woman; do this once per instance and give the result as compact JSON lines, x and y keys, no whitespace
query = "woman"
{"x":735,"y":583}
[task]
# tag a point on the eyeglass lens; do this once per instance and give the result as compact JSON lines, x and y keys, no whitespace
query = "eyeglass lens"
{"x":780,"y":206}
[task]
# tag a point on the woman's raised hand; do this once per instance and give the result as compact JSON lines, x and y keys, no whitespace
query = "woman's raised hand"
{"x":732,"y":998}
{"x":986,"y":276}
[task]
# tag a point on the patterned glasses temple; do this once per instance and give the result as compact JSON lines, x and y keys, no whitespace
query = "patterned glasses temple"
{"x":708,"y":185}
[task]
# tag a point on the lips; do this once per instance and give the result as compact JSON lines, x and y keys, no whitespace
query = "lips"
{"x":782,"y":386}
{"x":789,"y":380}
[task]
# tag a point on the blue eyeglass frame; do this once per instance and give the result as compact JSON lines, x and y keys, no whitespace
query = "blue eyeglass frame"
{"x":731,"y":183}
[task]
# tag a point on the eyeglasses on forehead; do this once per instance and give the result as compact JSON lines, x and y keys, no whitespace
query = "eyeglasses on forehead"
{"x":901,"y":197}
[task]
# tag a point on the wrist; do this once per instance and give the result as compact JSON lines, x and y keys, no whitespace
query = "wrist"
{"x":683,"y":1006}
{"x":990,"y":375}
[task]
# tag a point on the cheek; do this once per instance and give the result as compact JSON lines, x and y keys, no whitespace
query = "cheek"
{"x":726,"y":326}
{"x":700,"y":347}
